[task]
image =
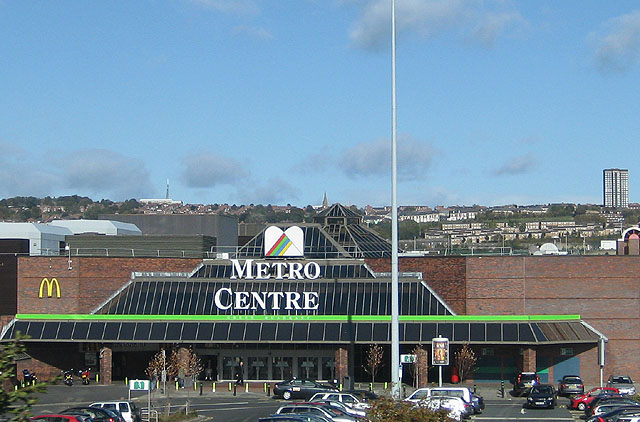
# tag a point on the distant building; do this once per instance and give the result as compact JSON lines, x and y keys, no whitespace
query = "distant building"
{"x":616,"y":188}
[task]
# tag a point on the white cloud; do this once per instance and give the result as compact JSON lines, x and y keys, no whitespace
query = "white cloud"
{"x":207,"y":169}
{"x":374,"y":159}
{"x":97,"y":173}
{"x":617,"y":45}
{"x":430,"y":18}
{"x":518,"y":165}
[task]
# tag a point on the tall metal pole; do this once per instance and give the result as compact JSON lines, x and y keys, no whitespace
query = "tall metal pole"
{"x":395,"y":326}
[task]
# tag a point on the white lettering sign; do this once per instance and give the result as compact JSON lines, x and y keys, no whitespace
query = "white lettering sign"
{"x":265,"y":270}
{"x":225,"y":299}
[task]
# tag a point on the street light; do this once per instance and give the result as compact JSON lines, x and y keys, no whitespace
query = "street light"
{"x":68,"y":249}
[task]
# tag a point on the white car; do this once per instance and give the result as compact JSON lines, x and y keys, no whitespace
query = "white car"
{"x":129,"y":411}
{"x":346,"y":398}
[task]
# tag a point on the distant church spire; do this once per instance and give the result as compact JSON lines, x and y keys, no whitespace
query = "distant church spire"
{"x":325,"y":201}
{"x":167,"y":196}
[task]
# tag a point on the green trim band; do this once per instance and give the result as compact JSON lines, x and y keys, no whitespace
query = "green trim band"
{"x":383,"y":318}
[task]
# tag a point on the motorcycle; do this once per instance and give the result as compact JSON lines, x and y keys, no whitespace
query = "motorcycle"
{"x":85,"y":376}
{"x":29,"y":377}
{"x":68,"y":378}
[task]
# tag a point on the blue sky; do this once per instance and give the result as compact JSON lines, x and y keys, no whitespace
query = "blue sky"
{"x":279,"y":101}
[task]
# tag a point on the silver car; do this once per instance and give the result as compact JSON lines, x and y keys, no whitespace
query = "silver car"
{"x":623,"y":383}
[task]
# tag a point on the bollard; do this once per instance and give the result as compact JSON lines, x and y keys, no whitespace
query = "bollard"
{"x":340,"y":386}
{"x":385,"y":385}
{"x":475,"y":388}
{"x":246,"y":387}
{"x":229,"y":386}
{"x":370,"y":386}
{"x":213,"y":387}
{"x":234,"y":389}
{"x":126,"y":381}
{"x":268,"y":389}
{"x":15,"y":387}
{"x":502,"y":388}
{"x":97,"y":378}
{"x":264,"y":387}
{"x":177,"y":386}
{"x":201,"y":387}
{"x":195,"y":385}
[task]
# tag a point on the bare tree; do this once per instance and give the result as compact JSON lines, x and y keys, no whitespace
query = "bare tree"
{"x":420,"y":366}
{"x":465,"y":359}
{"x":156,"y":365}
{"x":373,"y":361}
{"x":184,"y":362}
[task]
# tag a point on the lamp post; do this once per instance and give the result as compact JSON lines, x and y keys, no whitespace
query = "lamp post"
{"x":67,"y":248}
{"x":395,"y":325}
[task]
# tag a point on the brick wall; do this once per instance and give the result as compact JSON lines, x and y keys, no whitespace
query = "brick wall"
{"x":90,"y":282}
{"x":445,"y":275}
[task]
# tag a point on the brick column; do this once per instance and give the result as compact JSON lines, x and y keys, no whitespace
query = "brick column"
{"x":342,"y":364}
{"x":529,"y":360}
{"x":634,"y":245}
{"x":106,"y":365}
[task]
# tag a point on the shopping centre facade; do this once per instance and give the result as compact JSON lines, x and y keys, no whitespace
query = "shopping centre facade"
{"x":309,"y":301}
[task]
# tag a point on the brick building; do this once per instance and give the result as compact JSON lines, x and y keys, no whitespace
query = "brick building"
{"x":518,"y":313}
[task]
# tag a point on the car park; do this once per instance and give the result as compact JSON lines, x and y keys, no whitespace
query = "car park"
{"x":623,"y":383}
{"x":583,"y":401}
{"x":320,"y":409}
{"x":524,"y":381}
{"x":127,"y":409}
{"x":346,"y":398}
{"x":570,"y":384}
{"x":542,"y":395}
{"x":300,"y":388}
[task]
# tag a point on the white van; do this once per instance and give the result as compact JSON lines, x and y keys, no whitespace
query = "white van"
{"x":463,"y":392}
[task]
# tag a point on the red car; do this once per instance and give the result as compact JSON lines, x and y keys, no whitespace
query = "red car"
{"x":58,"y":418}
{"x":582,"y":401}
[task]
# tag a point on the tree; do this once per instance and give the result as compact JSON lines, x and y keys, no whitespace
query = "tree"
{"x":465,"y":361}
{"x":373,"y":360}
{"x":156,"y":365}
{"x":420,"y":366}
{"x":184,"y":363}
{"x":15,"y":402}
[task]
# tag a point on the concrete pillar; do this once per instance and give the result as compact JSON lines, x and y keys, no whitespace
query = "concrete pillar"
{"x":342,"y":364}
{"x":529,"y":360}
{"x":106,"y":366}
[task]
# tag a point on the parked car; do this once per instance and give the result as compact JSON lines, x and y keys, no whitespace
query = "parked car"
{"x":320,"y":409}
{"x":542,"y":395}
{"x":363,"y":395}
{"x":616,"y":415}
{"x":570,"y":384}
{"x":346,"y":398}
{"x":97,"y":414}
{"x":475,"y":400}
{"x":608,"y":407}
{"x":300,"y":388}
{"x":524,"y":381}
{"x":458,"y":409}
{"x":294,"y":417}
{"x":623,"y":383}
{"x":60,"y":418}
{"x":582,"y":401}
{"x":358,"y":413}
{"x":127,"y":409}
{"x":612,"y":402}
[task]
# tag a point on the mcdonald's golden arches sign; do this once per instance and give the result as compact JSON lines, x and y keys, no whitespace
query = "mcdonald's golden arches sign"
{"x":50,"y":286}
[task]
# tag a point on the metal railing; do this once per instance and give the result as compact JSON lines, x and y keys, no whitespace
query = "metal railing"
{"x":149,"y":415}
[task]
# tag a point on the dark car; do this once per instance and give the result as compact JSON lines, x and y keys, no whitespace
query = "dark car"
{"x":570,"y":384}
{"x":611,"y":402}
{"x":97,"y":414}
{"x":321,"y":409}
{"x":478,"y":402}
{"x":300,"y":388}
{"x":542,"y":396}
{"x":616,"y":415}
{"x":524,"y":381}
{"x":294,"y":417}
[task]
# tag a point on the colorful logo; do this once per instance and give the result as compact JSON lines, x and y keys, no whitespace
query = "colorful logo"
{"x":289,"y":242}
{"x":50,"y":285}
